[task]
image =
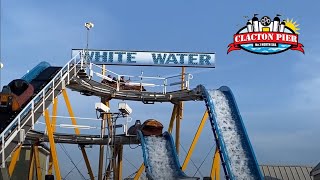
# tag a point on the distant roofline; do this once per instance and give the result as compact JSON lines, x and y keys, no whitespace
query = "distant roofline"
{"x":315,"y":170}
{"x":302,"y":172}
{"x":273,"y":165}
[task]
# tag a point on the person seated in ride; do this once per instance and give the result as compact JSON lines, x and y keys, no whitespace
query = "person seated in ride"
{"x":122,"y":83}
{"x":122,"y":79}
{"x":104,"y":81}
{"x":134,"y":128}
{"x":114,"y":82}
{"x":107,"y":81}
{"x":125,"y":86}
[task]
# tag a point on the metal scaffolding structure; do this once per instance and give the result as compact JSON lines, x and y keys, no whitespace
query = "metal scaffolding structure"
{"x":87,"y":78}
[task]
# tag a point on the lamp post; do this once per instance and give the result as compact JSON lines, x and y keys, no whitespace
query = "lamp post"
{"x":88,"y":26}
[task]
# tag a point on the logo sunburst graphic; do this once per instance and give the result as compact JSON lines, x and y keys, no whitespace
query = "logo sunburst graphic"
{"x":293,"y":25}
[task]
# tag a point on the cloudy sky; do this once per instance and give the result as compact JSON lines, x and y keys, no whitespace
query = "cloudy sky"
{"x":277,"y":95}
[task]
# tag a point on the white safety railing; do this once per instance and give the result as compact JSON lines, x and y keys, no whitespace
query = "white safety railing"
{"x":27,"y":114}
{"x":98,"y":73}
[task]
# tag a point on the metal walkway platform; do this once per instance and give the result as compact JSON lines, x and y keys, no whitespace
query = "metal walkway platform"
{"x":83,"y":139}
{"x":89,"y":87}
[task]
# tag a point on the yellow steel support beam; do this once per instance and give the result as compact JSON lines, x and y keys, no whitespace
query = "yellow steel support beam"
{"x":120,"y":153}
{"x":86,"y":160}
{"x":101,"y":151}
{"x":31,"y":165}
{"x":103,"y":131}
{"x":54,"y":113}
{"x":179,"y":113}
{"x":195,"y":140}
{"x":37,"y":160}
{"x":112,"y":166}
{"x":53,"y":122}
{"x":50,"y":165}
{"x":108,"y":172}
{"x":139,"y":172}
{"x":103,"y":125}
{"x":178,"y":122}
{"x":114,"y":163}
{"x":14,"y":159}
{"x":77,"y":131}
{"x":73,"y":120}
{"x":183,"y":71}
{"x":52,"y":146}
{"x":173,"y":117}
{"x":215,"y":170}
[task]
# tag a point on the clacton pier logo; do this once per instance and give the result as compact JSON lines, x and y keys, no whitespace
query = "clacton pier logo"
{"x":266,"y":36}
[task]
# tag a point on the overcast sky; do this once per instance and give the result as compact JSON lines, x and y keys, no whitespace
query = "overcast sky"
{"x":277,"y":95}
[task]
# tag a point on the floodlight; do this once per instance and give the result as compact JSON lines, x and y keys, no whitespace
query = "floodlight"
{"x":124,"y":108}
{"x":102,"y":108}
{"x":88,"y":25}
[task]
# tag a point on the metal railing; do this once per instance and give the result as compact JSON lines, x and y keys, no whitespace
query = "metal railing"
{"x":27,"y":114}
{"x":96,"y":71}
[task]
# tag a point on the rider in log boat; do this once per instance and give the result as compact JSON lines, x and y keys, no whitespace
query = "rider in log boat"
{"x":124,"y":84}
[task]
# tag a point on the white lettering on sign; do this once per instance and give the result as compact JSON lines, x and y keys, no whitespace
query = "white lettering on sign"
{"x":150,"y":58}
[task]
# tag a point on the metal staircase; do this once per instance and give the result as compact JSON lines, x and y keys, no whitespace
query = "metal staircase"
{"x":16,"y":131}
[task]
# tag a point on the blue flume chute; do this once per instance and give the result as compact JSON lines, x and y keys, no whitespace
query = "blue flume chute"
{"x":34,"y":72}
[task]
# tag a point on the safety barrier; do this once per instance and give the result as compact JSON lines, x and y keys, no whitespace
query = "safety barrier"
{"x":161,"y":84}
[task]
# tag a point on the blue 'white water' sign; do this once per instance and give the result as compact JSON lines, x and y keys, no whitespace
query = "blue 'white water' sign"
{"x":149,"y":58}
